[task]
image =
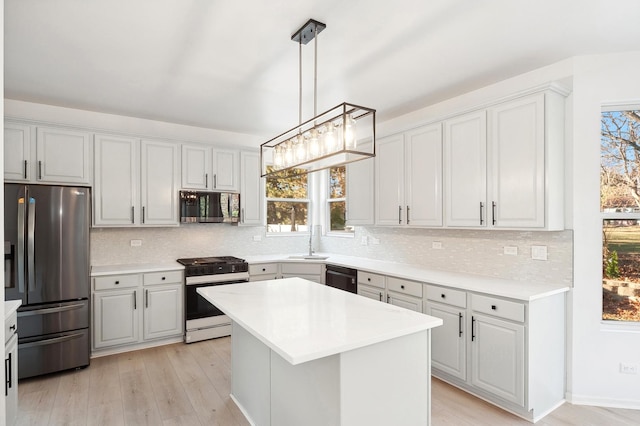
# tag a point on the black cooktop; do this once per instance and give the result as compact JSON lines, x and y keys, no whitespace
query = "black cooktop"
{"x":217,"y":260}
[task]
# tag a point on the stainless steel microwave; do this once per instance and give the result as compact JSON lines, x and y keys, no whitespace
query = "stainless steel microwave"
{"x":209,"y":207}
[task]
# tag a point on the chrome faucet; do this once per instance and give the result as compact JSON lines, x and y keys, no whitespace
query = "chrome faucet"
{"x":310,"y":241}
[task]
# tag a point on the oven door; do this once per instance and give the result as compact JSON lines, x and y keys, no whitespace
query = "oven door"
{"x":196,"y":306}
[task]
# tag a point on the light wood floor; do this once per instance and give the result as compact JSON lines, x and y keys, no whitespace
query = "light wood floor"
{"x":189,"y":385}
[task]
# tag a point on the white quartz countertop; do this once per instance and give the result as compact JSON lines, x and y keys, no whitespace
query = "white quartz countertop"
{"x":10,"y":306}
{"x":99,"y":270}
{"x":302,"y":320}
{"x":519,"y":290}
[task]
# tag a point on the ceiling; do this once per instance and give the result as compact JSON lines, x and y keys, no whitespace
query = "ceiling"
{"x":230,"y":65}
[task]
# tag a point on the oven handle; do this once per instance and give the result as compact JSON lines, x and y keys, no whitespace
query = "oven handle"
{"x":237,"y":277}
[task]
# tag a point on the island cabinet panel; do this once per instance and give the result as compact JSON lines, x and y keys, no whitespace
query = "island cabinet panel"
{"x":508,"y":352}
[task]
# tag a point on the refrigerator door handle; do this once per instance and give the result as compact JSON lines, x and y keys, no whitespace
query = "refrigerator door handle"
{"x":31,"y":226}
{"x":20,"y":249}
{"x":49,"y":310}
{"x":50,"y":341}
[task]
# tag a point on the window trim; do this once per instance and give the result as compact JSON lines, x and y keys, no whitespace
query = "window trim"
{"x":308,"y":200}
{"x":327,"y":208}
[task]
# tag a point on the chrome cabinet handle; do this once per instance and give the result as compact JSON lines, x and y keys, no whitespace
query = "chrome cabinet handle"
{"x":481,"y":208}
{"x":493,"y":212}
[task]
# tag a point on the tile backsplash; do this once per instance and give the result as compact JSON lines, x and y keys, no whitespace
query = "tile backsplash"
{"x":468,"y":251}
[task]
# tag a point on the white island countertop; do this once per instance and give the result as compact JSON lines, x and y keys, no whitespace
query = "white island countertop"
{"x":302,"y":321}
{"x":10,"y":306}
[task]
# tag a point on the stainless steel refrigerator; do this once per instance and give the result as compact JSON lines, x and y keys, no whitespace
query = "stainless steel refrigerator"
{"x":46,"y":265}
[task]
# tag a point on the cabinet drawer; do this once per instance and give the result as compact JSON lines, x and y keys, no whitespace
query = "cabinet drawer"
{"x":447,"y":295}
{"x":116,"y":281}
{"x":302,"y":268}
{"x":10,"y":327}
{"x":167,"y":277}
{"x":498,"y":307}
{"x":369,"y":278}
{"x":264,"y":268}
{"x":398,"y":285}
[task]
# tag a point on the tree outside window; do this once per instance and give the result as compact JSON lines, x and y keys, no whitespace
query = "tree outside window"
{"x":336,"y":200}
{"x":287,"y":203}
{"x":620,"y":208}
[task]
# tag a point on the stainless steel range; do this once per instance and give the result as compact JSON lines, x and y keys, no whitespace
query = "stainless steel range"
{"x":203,"y":320}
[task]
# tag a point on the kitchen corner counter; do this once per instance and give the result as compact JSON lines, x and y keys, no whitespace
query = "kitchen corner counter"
{"x":101,"y":270}
{"x":11,"y":306}
{"x":520,"y":290}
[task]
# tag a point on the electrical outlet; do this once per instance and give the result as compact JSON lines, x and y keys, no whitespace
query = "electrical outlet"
{"x":136,"y":243}
{"x":628,"y":368}
{"x":375,"y":240}
{"x":511,"y":250}
{"x":436,"y":245}
{"x":539,"y":252}
{"x":364,"y":241}
{"x":257,"y":238}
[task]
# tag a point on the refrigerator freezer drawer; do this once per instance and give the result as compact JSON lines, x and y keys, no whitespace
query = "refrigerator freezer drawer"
{"x":57,"y":352}
{"x":53,"y":318}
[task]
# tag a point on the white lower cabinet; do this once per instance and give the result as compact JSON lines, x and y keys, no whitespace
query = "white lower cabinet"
{"x":135,"y":308}
{"x":11,"y":369}
{"x":309,"y":271}
{"x":404,"y":293}
{"x":508,"y":352}
{"x":263,"y":271}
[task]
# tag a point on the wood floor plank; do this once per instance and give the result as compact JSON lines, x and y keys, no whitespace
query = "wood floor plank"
{"x":186,"y":420}
{"x":138,"y":400}
{"x":104,"y":382}
{"x":72,"y":399}
{"x":109,"y":413}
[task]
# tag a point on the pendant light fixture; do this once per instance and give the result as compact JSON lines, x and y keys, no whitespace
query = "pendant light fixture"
{"x":341,"y":135}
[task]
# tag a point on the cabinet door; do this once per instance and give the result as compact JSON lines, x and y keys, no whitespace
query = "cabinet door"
{"x":448,"y":348}
{"x":251,"y":189}
{"x":389,"y":178}
{"x":63,"y":156}
{"x":11,"y":380}
{"x":196,"y":167}
{"x":465,"y":144}
{"x":359,"y":197}
{"x":116,"y":181}
{"x":516,"y":153}
{"x":406,"y":302}
{"x":163,"y":311}
{"x":497,"y":357}
{"x":371,"y":292}
{"x":159,"y":183}
{"x":17,"y":152}
{"x":115,"y":316}
{"x":423,"y":176}
{"x":225,"y":170}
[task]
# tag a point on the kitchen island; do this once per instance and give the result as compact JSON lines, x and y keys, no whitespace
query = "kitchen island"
{"x":303,"y":353}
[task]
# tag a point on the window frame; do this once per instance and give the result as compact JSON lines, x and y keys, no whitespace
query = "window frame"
{"x":327,"y":203}
{"x":610,"y":324}
{"x":308,"y":200}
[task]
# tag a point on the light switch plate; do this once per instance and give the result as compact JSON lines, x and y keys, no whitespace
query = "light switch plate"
{"x":436,"y":245}
{"x":511,"y":250}
{"x":539,"y":252}
{"x":136,"y":243}
{"x":257,"y":238}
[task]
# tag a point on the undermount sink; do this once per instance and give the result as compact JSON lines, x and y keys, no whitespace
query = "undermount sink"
{"x":309,"y":257}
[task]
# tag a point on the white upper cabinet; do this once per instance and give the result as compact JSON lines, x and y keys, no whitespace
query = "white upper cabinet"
{"x":159,"y":182}
{"x":359,"y":197}
{"x":225,"y":170}
{"x":423,"y":176}
{"x":526,"y":161}
{"x":207,"y":168}
{"x":63,"y":156}
{"x":55,"y":155}
{"x":251,"y":190}
{"x":17,"y":152}
{"x":465,"y":145}
{"x":116,"y":195}
{"x":409,"y":178}
{"x":196,"y":167}
{"x":389,"y":180}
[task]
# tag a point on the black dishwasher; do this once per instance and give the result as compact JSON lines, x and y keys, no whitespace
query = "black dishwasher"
{"x":343,"y":278}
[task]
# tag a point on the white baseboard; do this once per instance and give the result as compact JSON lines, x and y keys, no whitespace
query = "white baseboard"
{"x":97,"y":353}
{"x":633,"y":404}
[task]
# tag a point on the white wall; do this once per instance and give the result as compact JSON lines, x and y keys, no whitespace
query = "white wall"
{"x":595,"y":350}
